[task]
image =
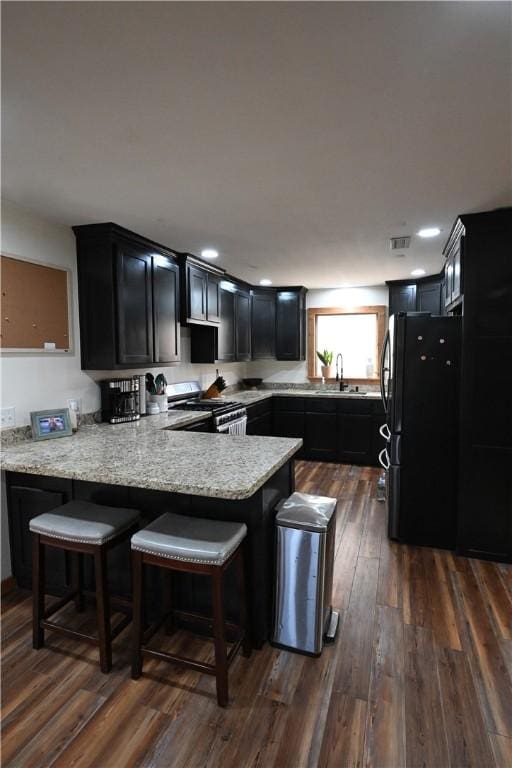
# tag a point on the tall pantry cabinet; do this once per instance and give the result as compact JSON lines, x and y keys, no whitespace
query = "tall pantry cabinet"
{"x":483,"y":244}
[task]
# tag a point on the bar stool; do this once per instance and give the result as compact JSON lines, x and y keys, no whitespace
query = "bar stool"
{"x":79,"y":527}
{"x":191,"y":545}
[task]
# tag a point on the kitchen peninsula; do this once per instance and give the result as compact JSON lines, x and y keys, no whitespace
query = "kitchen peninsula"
{"x":152,"y":466}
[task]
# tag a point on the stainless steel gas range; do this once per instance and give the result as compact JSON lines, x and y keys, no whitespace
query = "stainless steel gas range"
{"x":228,"y":416}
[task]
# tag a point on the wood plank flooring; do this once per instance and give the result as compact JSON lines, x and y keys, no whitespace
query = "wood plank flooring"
{"x":420,"y":674}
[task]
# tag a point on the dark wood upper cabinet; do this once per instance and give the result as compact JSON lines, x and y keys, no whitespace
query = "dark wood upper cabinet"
{"x":166,"y":281}
{"x":243,"y":325}
{"x":197,"y":293}
{"x":128,"y":292}
{"x":134,"y":304}
{"x":453,"y":252}
{"x":422,"y":295}
{"x":402,"y":298}
{"x":213,"y":299}
{"x":200,"y":287}
{"x":230,"y":341}
{"x":130,"y":309}
{"x":263,"y":331}
{"x":429,"y":296}
{"x":290,"y":323}
{"x":226,"y":345}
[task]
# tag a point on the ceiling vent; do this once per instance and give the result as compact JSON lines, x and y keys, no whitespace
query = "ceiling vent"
{"x":399,"y":243}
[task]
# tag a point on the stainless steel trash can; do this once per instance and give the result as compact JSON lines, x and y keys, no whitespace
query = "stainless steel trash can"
{"x":303,"y":614}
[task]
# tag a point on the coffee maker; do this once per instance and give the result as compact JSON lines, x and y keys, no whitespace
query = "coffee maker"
{"x":120,"y":399}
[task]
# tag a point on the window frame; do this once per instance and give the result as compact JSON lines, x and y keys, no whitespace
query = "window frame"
{"x":380,"y":310}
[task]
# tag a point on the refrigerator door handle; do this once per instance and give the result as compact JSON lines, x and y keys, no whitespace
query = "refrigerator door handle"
{"x":383,"y":463}
{"x":384,"y":369}
{"x":385,"y":432}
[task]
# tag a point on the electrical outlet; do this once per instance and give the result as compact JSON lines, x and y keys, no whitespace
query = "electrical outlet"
{"x":8,"y":417}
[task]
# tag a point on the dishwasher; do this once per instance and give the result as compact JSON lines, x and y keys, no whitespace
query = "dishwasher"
{"x":305,"y":533}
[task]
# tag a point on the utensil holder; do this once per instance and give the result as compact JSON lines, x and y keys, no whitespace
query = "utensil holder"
{"x":161,"y":400}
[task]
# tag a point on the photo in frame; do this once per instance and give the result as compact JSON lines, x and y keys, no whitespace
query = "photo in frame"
{"x":49,"y":424}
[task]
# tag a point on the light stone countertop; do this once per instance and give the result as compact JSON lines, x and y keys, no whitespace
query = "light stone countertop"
{"x":149,"y":454}
{"x":250,"y":396}
{"x":146,"y":454}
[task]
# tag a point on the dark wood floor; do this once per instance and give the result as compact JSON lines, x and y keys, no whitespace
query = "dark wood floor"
{"x":420,"y":675}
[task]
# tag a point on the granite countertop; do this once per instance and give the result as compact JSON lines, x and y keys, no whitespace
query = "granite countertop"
{"x":249,"y":396}
{"x":149,"y":454}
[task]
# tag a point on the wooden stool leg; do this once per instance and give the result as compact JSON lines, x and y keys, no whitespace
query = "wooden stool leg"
{"x":103,"y":609}
{"x":167,"y":600}
{"x":76,"y":570}
{"x":137,"y":614}
{"x":38,"y":570}
{"x":219,"y":631}
{"x":242,"y":596}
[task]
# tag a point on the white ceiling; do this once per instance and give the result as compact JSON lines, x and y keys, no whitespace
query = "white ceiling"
{"x":295,"y":138}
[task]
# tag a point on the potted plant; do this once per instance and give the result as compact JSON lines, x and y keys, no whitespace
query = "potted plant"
{"x":325,"y":358}
{"x":157,"y":390}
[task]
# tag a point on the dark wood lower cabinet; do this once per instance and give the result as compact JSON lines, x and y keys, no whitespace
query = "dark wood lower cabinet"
{"x":29,"y":496}
{"x":260,"y":425}
{"x":355,"y":438}
{"x":259,"y":418}
{"x":289,"y":424}
{"x":485,"y":528}
{"x":333,"y":429}
{"x":320,"y":436}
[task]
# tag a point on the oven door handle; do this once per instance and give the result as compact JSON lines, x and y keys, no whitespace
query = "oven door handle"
{"x":237,"y":427}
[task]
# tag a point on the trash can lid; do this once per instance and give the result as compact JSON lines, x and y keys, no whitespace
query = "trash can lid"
{"x":310,"y":513}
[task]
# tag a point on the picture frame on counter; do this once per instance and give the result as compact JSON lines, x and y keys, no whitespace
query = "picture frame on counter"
{"x":47,"y":425}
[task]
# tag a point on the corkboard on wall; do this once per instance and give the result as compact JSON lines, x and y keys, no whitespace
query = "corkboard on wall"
{"x":34,"y":306}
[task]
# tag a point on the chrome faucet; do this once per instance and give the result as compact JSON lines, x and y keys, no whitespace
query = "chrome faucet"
{"x":339,"y":370}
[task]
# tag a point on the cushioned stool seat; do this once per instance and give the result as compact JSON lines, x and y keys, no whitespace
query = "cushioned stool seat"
{"x":190,"y":539}
{"x":79,"y":528}
{"x":83,"y":522}
{"x":197,"y":546}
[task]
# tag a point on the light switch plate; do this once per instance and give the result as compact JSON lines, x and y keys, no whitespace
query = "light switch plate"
{"x":8,"y":417}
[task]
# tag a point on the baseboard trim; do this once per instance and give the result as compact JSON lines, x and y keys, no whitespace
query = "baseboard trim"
{"x":7,"y":585}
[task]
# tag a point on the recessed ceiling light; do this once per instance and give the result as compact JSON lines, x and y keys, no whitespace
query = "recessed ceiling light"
{"x":429,"y":232}
{"x":265,"y":281}
{"x":209,"y":253}
{"x":418,"y":272}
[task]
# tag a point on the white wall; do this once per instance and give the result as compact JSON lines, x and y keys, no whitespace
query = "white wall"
{"x":34,"y":382}
{"x":370,"y":295}
{"x":279,"y":372}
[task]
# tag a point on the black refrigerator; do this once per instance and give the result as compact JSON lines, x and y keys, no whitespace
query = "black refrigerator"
{"x":420,"y":371}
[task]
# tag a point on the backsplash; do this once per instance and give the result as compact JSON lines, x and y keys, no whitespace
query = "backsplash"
{"x":184,"y":370}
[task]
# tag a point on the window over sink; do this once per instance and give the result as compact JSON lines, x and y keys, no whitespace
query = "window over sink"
{"x":357,"y":333}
